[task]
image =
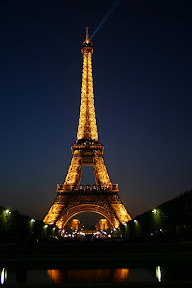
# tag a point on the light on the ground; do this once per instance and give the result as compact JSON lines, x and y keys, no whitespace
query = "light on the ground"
{"x":7,"y":211}
{"x":3,"y":276}
{"x":158,"y":273}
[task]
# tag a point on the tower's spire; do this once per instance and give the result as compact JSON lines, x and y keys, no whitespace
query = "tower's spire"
{"x":87,"y":34}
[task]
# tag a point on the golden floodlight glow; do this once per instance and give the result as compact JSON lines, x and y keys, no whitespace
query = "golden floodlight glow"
{"x":88,"y":275}
{"x":102,"y":197}
{"x":87,"y":121}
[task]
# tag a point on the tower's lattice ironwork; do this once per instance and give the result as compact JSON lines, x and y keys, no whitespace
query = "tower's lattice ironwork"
{"x":72,"y":197}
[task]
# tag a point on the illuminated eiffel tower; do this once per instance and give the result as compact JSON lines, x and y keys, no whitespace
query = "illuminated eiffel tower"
{"x":73,"y":198}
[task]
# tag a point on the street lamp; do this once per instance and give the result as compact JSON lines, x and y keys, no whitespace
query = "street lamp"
{"x":7,"y":211}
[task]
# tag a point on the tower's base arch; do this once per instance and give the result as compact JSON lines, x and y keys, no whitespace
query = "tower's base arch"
{"x":68,"y":204}
{"x":65,"y":217}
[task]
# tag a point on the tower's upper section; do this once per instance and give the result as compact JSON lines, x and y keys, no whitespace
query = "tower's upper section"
{"x":87,"y":129}
{"x":87,"y":46}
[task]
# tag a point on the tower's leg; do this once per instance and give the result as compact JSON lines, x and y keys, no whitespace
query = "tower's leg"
{"x":100,"y":170}
{"x":56,"y":208}
{"x":73,"y":177}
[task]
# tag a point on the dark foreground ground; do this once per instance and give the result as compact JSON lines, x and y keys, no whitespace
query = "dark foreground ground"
{"x":100,"y":254}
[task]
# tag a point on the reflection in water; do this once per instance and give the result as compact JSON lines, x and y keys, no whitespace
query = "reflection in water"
{"x":151,"y":274}
{"x":3,"y":275}
{"x":158,"y":273}
{"x":120,"y":274}
{"x":21,"y":275}
{"x":91,"y":275}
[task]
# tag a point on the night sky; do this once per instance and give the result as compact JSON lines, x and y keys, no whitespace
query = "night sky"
{"x":142,"y":69}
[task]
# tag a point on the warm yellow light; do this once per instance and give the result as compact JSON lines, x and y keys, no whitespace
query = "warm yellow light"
{"x":87,"y":128}
{"x":87,"y":152}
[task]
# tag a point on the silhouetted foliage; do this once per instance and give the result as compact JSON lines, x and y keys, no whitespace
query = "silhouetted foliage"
{"x":170,"y":220}
{"x":15,"y":227}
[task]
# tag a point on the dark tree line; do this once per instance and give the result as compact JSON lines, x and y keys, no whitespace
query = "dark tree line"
{"x":170,"y":220}
{"x":15,"y":227}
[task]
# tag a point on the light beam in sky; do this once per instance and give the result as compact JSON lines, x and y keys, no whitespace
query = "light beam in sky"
{"x":111,"y":10}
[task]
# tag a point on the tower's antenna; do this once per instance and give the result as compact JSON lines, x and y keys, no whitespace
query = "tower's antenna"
{"x":87,"y":34}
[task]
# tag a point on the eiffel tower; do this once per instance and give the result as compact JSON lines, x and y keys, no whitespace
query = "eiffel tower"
{"x":73,"y":198}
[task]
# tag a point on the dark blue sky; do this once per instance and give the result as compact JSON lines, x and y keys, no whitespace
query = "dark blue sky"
{"x":142,"y":68}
